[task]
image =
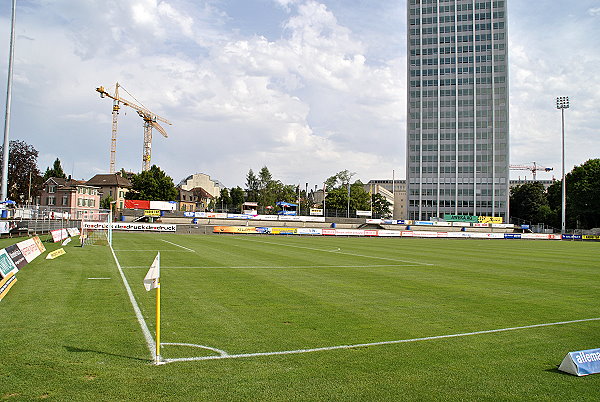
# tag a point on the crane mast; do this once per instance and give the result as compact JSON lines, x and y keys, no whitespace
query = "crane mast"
{"x":150,"y":121}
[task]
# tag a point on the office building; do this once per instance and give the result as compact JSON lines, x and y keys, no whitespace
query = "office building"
{"x":457,"y":122}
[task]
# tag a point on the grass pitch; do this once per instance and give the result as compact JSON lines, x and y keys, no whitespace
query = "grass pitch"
{"x":66,"y":336}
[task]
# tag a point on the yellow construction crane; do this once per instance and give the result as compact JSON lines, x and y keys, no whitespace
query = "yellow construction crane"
{"x":150,"y":120}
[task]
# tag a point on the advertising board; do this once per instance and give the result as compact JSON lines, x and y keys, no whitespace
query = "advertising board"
{"x":389,"y":233}
{"x":137,"y":204}
{"x":461,"y":218}
{"x":59,"y":235}
{"x":16,"y":255}
{"x":6,"y":284}
{"x":73,"y":231}
{"x":7,"y":266}
{"x":265,"y":217}
{"x":38,"y":242}
{"x":29,"y":249}
{"x":490,"y":219}
{"x":151,"y":212}
{"x":234,"y":229}
{"x":309,"y":231}
{"x":283,"y":231}
{"x":163,"y":205}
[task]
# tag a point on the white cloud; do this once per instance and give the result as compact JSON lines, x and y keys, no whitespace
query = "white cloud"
{"x":319,"y":98}
{"x":594,"y":11}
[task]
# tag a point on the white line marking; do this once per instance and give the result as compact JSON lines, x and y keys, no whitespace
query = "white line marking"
{"x":154,"y":250}
{"x":281,"y":267}
{"x":99,"y":278}
{"x":338,"y":251}
{"x":362,"y":345}
{"x":138,"y":313}
{"x":185,"y":248}
{"x":193,"y":345}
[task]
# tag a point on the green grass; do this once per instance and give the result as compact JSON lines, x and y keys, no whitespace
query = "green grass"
{"x":66,"y":337}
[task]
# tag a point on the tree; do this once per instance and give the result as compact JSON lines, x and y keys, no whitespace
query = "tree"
{"x":105,"y":202}
{"x":223,"y":201}
{"x":381,"y":206}
{"x":338,"y":179}
{"x":337,"y":198}
{"x":527,"y":200}
{"x":56,"y":171}
{"x":237,"y":197}
{"x":22,"y":170}
{"x":252,"y":186}
{"x":583,"y":195}
{"x":152,"y":185}
{"x":359,"y":197}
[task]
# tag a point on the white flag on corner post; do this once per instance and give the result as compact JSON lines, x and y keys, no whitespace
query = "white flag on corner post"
{"x":152,"y":278}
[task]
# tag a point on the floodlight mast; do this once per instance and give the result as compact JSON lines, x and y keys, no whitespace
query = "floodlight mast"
{"x":562,"y":103}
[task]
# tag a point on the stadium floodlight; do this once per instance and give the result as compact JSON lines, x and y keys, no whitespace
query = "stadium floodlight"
{"x":562,"y":103}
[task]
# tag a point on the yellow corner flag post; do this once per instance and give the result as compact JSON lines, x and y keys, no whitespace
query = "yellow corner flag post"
{"x":152,"y":281}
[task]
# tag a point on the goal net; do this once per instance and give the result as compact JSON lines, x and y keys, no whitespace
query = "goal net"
{"x":96,"y":228}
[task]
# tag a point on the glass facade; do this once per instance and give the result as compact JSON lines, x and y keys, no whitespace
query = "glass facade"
{"x":457,"y":121}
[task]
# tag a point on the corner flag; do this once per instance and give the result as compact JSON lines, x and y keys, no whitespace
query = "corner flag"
{"x":152,"y":281}
{"x":152,"y":278}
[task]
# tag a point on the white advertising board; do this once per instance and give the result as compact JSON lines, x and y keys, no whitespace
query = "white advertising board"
{"x":309,"y":231}
{"x":29,"y":249}
{"x":389,"y":233}
{"x":163,"y":205}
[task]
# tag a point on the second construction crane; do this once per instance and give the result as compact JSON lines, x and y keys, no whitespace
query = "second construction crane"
{"x":150,"y":121}
{"x":532,"y":168}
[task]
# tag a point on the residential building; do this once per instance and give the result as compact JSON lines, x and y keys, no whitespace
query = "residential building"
{"x":457,"y":109}
{"x":112,"y":185}
{"x":70,"y":195}
{"x":202,"y":198}
{"x":187,"y":200}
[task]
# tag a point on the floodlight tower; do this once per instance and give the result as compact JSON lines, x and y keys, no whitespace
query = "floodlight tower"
{"x":562,"y":103}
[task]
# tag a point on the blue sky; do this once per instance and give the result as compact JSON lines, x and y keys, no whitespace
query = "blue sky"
{"x":305,"y":87}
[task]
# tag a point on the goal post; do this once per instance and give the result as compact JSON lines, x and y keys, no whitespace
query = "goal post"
{"x":96,"y":227}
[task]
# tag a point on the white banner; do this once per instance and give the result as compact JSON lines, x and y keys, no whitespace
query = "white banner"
{"x":153,"y":227}
{"x":309,"y":231}
{"x":59,"y":235}
{"x":73,"y":231}
{"x":265,"y":217}
{"x":374,"y":221}
{"x":349,"y":232}
{"x":389,"y":233}
{"x":164,"y":205}
{"x":29,"y":249}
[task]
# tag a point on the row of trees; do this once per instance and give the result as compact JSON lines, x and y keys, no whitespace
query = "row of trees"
{"x":263,"y":189}
{"x":531,"y":202}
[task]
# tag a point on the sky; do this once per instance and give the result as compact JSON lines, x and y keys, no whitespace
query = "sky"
{"x":307,"y":88}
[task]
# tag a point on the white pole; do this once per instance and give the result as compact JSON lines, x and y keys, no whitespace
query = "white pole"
{"x":4,"y":187}
{"x":564,"y":184}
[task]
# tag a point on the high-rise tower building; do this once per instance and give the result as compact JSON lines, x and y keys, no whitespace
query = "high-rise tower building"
{"x":457,"y":123}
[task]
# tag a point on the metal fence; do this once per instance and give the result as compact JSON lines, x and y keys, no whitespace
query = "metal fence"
{"x":36,"y":220}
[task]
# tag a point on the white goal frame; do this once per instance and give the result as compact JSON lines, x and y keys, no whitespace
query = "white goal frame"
{"x":96,"y":227}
